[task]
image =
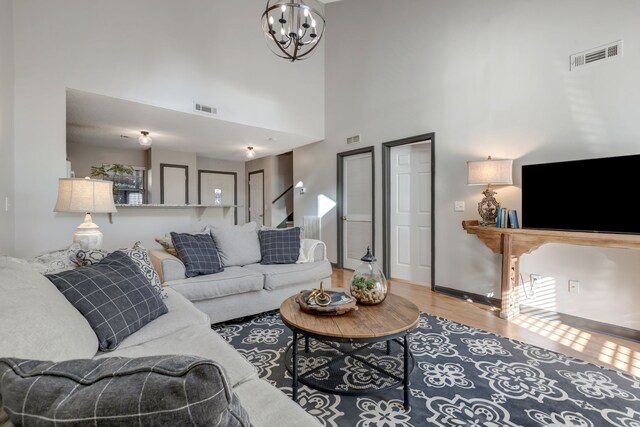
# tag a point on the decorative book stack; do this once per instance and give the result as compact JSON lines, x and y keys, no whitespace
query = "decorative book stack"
{"x":507,"y":218}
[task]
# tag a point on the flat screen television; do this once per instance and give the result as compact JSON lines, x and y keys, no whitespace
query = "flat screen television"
{"x":582,"y":195}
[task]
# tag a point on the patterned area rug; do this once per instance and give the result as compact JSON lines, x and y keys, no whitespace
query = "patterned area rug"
{"x":463,"y":377}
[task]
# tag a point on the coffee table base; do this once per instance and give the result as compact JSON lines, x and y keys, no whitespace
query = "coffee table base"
{"x":348,"y":367}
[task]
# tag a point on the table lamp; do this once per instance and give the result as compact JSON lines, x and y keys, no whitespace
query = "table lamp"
{"x":489,"y":172}
{"x":86,"y":196}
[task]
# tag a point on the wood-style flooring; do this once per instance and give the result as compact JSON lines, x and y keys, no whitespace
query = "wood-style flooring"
{"x":597,"y":348}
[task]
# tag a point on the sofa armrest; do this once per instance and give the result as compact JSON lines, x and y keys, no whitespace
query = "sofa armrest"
{"x":313,"y":250}
{"x":167,"y":266}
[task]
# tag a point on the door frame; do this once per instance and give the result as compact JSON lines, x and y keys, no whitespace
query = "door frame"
{"x":386,"y":200}
{"x":235,"y":189}
{"x":339,"y":194}
{"x":249,"y":194}
{"x":186,"y":181}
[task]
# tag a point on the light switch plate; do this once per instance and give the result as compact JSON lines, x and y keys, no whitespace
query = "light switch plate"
{"x":458,"y":206}
{"x":574,"y":286}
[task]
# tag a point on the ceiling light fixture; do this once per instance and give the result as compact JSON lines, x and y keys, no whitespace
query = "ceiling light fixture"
{"x":144,"y":139}
{"x":292,"y":29}
{"x":251,"y":153}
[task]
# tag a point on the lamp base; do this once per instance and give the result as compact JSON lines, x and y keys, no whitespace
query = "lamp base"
{"x":88,"y":234}
{"x":488,"y":208}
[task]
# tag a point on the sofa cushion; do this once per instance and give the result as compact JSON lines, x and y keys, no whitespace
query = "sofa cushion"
{"x":233,"y":280}
{"x":181,"y":314}
{"x":37,"y":320}
{"x":120,"y":391}
{"x":113,"y":295}
{"x":238,"y":245}
{"x":280,"y":246}
{"x":198,"y":253}
{"x":282,"y":275}
{"x":198,"y":341}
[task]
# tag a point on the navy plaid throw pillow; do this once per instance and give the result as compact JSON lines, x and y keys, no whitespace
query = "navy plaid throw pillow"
{"x":198,"y":253}
{"x":113,"y":295}
{"x":280,"y":246}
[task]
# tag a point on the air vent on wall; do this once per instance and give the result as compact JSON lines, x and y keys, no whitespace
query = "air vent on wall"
{"x":353,"y":139}
{"x":205,"y":109}
{"x":602,"y":53}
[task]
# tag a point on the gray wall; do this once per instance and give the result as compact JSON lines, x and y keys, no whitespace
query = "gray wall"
{"x":6,"y":127}
{"x":489,"y":78}
{"x":83,"y":157}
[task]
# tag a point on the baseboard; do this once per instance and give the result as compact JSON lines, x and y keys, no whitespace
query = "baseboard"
{"x":468,"y":295}
{"x":582,"y":323}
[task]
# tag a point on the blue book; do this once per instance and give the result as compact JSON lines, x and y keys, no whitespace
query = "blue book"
{"x":498,"y":218}
{"x":513,"y":219}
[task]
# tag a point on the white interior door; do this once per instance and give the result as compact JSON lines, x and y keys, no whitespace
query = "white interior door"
{"x":256,"y":198}
{"x":357,"y":220}
{"x":411,"y":212}
{"x":174,"y":185}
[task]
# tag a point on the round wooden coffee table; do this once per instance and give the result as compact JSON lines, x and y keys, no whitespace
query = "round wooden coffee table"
{"x":358,"y":353}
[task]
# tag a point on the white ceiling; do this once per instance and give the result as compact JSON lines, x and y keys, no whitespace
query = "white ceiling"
{"x":103,"y":121}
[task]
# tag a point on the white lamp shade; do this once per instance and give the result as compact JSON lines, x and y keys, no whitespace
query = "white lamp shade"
{"x":85,"y":195}
{"x":491,"y":171}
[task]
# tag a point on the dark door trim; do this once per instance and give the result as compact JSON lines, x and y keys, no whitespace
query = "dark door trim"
{"x":249,"y":193}
{"x":339,"y":194}
{"x":186,"y":181}
{"x":386,"y":200}
{"x":235,"y":189}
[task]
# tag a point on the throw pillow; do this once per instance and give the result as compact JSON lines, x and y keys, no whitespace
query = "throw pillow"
{"x":156,"y":390}
{"x":280,"y":246}
{"x":56,"y":261}
{"x":84,"y":258}
{"x":238,"y":245}
{"x":113,"y":295}
{"x":167,"y":244}
{"x":140,"y":257}
{"x":198,"y":253}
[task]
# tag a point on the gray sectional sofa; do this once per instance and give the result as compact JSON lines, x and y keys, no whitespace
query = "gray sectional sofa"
{"x":247,"y":289}
{"x":37,"y":322}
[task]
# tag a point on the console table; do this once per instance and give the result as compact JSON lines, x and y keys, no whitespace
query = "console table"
{"x":514,"y":242}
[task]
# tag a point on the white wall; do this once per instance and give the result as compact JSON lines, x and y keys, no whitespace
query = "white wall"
{"x":205,"y":163}
{"x":162,"y":53}
{"x":180,"y":158}
{"x":6,"y":127}
{"x":489,"y":78}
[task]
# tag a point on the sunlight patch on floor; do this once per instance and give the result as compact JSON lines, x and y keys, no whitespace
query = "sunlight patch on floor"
{"x":619,"y":356}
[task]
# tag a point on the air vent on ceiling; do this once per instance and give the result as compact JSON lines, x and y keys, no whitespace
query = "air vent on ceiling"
{"x":205,"y":109}
{"x":353,"y":139}
{"x":602,"y":53}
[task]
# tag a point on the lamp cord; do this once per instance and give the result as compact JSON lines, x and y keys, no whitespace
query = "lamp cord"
{"x":524,"y":288}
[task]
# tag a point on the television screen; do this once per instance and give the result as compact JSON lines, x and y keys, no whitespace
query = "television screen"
{"x":582,"y":195}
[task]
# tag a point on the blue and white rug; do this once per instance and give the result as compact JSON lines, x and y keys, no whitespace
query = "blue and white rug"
{"x":463,"y":377}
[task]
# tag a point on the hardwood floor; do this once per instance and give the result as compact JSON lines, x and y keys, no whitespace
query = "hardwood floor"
{"x":597,"y":348}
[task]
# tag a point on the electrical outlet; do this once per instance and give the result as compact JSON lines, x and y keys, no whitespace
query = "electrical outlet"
{"x":574,"y":286}
{"x":458,"y":206}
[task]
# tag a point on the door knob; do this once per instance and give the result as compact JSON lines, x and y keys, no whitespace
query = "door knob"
{"x":344,"y":218}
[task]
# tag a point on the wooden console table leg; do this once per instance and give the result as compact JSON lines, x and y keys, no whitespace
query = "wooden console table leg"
{"x":510,"y":276}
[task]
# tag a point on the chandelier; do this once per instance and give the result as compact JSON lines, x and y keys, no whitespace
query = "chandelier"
{"x":292,"y":29}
